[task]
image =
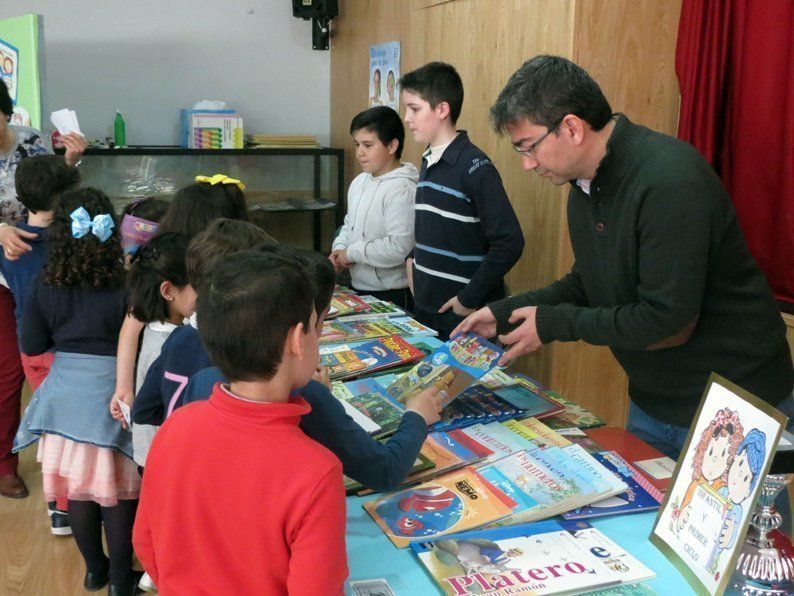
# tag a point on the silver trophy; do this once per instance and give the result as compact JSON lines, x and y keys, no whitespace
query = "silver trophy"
{"x":766,"y":563}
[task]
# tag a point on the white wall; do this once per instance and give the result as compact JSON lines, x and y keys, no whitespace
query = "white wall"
{"x":149,"y":58}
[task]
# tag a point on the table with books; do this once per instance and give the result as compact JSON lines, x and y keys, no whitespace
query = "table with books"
{"x":515,"y":489}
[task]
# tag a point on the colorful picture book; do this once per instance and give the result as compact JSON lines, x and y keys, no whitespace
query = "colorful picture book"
{"x":530,"y":401}
{"x":634,"y":450}
{"x":452,"y":368}
{"x":351,"y":360}
{"x":344,"y":302}
{"x":377,"y":309}
{"x":640,"y":496}
{"x":340,"y":330}
{"x":370,"y":399}
{"x":539,"y":558}
{"x":458,"y":501}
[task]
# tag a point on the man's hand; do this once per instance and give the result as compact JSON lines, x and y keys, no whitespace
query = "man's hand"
{"x":75,"y":147}
{"x":524,"y":339}
{"x":12,"y":240}
{"x":482,"y":323}
{"x":456,"y":307}
{"x":427,"y":404}
{"x":409,"y":273}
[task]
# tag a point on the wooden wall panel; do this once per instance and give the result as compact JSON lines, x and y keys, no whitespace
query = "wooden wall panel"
{"x":627,"y":46}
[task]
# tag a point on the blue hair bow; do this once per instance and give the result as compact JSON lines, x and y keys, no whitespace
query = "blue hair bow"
{"x":101,"y":226}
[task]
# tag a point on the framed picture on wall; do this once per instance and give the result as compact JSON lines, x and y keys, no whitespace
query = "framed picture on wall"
{"x":704,"y":518}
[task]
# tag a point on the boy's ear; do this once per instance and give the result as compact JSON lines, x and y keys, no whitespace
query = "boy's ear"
{"x":392,"y":146}
{"x":294,"y":343}
{"x":442,"y":109}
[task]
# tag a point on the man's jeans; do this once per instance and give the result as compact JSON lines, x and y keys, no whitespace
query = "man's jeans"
{"x":669,"y":439}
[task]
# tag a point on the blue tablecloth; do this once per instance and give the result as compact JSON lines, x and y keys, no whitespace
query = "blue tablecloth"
{"x":371,"y":555}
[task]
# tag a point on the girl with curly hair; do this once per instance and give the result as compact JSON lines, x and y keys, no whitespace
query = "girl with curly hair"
{"x":713,"y":456}
{"x":76,"y":308}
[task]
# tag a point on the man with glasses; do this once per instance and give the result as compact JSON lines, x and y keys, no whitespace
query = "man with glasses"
{"x":662,"y":274}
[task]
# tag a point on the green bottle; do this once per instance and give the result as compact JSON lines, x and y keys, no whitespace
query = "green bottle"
{"x":119,"y":130}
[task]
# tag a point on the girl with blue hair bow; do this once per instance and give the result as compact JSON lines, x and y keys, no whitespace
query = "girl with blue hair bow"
{"x":76,"y":308}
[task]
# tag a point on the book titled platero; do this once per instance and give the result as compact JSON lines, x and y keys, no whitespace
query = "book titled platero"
{"x":537,"y":558}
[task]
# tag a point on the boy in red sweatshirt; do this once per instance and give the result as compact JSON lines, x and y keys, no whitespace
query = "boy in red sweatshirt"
{"x":236,"y":499}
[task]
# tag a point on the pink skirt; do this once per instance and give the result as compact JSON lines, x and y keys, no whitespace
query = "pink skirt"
{"x":85,"y":472}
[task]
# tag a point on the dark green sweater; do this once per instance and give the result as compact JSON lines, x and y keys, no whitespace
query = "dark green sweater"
{"x":662,"y":275}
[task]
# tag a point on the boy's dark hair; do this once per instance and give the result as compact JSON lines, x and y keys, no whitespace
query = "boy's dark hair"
{"x":246,"y":308}
{"x":317,"y":264}
{"x":85,"y":261}
{"x":384,"y":122}
{"x":547,"y":88}
{"x":148,"y":208}
{"x":6,"y":105}
{"x":41,"y":178}
{"x":436,"y":82}
{"x":197,"y":204}
{"x":222,"y":238}
{"x":161,"y":259}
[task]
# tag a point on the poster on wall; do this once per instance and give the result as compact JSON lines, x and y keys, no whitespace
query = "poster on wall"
{"x":384,"y":72}
{"x":703,"y":520}
{"x":20,"y":39}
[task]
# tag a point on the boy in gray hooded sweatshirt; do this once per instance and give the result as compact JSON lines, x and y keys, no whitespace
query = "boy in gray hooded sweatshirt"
{"x":378,"y":232}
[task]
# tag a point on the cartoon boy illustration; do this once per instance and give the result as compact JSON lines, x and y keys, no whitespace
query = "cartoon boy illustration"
{"x":477,"y":555}
{"x":742,"y":478}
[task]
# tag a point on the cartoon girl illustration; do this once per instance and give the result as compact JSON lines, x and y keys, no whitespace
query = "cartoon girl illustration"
{"x":715,"y":450}
{"x":477,"y":555}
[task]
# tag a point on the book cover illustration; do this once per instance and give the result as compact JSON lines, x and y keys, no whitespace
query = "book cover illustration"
{"x":640,"y":496}
{"x":344,"y":303}
{"x":539,"y":558}
{"x":345,"y":397}
{"x":452,"y":368}
{"x":630,"y":448}
{"x":340,"y":330}
{"x":458,"y":501}
{"x":530,"y":401}
{"x":377,"y":309}
{"x":351,"y":360}
{"x":369,"y":398}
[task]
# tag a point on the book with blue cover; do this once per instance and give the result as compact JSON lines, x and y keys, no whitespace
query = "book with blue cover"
{"x":345,"y":361}
{"x":452,"y":368}
{"x":640,"y":496}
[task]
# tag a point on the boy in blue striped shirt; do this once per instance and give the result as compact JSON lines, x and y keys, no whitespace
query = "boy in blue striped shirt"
{"x":467,"y":234}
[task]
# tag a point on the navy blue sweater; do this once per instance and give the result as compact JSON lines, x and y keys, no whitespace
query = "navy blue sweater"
{"x":72,"y":319}
{"x":181,"y":356}
{"x":467,"y":234}
{"x":20,"y":274}
{"x":379,"y":466}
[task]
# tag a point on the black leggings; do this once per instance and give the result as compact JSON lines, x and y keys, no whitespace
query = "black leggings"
{"x":86,"y":519}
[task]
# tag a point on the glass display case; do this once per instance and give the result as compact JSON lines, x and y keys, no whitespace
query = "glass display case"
{"x":294,"y":187}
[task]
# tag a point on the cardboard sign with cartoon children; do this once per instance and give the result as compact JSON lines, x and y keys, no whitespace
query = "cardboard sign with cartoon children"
{"x":704,"y":517}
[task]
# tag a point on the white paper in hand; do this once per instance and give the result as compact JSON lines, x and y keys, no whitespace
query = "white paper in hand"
{"x":66,"y":121}
{"x":125,"y":410}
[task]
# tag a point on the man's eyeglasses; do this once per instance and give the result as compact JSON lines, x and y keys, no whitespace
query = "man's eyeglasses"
{"x":530,"y":151}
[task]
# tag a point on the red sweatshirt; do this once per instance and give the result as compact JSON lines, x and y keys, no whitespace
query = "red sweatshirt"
{"x":237,"y":500}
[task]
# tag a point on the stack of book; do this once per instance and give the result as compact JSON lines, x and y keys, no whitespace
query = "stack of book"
{"x":281,"y":141}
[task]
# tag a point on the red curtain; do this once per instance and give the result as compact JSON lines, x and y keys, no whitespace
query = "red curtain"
{"x":735,"y":66}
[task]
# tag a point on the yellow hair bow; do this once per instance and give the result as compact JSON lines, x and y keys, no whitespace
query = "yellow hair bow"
{"x":220,"y":179}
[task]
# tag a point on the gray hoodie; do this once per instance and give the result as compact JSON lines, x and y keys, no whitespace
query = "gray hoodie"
{"x":378,"y":232}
